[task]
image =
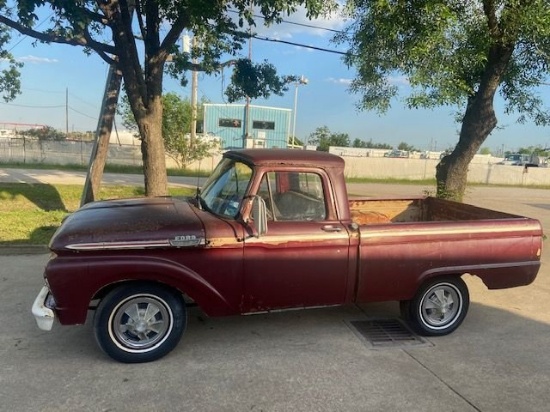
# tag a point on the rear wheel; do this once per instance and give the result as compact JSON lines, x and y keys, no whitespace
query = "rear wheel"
{"x":139,"y":322}
{"x":439,"y":306}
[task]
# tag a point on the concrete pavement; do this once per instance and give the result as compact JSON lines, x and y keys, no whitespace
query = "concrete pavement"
{"x":294,"y":361}
{"x":76,"y":177}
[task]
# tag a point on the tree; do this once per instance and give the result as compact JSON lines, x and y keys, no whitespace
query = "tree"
{"x":10,"y":82}
{"x":407,"y":147}
{"x":457,"y":53}
{"x":293,"y":140}
{"x":536,"y":150}
{"x":485,"y":151}
{"x":176,"y":124}
{"x":359,"y":143}
{"x":43,"y":133}
{"x":107,"y":28}
{"x":370,"y":144}
{"x":323,"y":138}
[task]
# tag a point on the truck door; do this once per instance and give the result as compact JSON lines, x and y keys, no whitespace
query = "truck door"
{"x":302,"y":260}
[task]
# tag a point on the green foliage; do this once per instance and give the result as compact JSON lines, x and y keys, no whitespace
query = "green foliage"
{"x":452,"y":52}
{"x":323,"y":138}
{"x":407,"y":147}
{"x":221,"y":28}
{"x":256,"y":80}
{"x":442,"y":49}
{"x":141,"y":40}
{"x":485,"y":151}
{"x":293,"y":140}
{"x":370,"y":144}
{"x":43,"y":133}
{"x":535,"y":150}
{"x":10,"y":83}
{"x":176,"y":125}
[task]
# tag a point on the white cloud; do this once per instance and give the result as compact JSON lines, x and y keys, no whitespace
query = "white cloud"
{"x":344,"y":81}
{"x":36,"y":60}
{"x":303,"y":26}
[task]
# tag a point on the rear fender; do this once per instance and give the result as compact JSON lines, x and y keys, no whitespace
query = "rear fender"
{"x":494,"y":276}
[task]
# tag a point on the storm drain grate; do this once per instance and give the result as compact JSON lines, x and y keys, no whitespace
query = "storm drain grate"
{"x":386,"y":333}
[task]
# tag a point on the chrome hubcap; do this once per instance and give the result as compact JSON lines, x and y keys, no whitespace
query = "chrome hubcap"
{"x":440,"y":306}
{"x":141,"y":322}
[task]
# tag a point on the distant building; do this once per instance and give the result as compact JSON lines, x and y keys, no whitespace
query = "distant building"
{"x":268,"y":127}
{"x":6,"y":134}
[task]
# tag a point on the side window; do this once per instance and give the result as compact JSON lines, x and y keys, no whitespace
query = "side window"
{"x":266,"y":192}
{"x":293,"y":196}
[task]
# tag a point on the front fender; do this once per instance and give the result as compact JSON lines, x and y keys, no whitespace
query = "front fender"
{"x":76,"y":280}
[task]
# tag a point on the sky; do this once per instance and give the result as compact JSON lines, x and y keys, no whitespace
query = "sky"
{"x":62,"y":86}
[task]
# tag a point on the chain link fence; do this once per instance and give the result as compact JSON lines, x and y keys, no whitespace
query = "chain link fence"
{"x":73,"y":152}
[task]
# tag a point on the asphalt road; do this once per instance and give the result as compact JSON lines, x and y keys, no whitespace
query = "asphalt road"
{"x":293,"y":361}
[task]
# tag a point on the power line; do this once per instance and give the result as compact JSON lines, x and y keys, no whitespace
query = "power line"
{"x":82,"y":114}
{"x":83,"y":101}
{"x":48,"y":107}
{"x":255,"y":36}
{"x":43,"y":91}
{"x":25,"y":36}
{"x":32,"y":107}
{"x":311,"y":26}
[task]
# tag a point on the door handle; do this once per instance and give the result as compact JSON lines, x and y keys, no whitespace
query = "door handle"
{"x":330,"y":228}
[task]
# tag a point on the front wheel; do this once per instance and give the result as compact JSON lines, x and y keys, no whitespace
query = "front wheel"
{"x":439,"y":306}
{"x":139,"y":322}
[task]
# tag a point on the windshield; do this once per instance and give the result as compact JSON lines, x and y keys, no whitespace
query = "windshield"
{"x":223,"y":192}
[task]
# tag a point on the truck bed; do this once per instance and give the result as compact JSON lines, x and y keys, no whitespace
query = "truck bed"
{"x":406,"y":241}
{"x":420,"y":209}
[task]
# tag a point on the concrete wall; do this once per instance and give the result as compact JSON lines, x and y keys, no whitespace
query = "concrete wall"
{"x":419,"y":169}
{"x":481,"y":170}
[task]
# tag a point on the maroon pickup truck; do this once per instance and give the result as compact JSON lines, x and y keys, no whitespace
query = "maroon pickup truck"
{"x":270,"y":230}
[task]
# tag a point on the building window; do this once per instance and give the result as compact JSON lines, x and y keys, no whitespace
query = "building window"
{"x":258,"y":124}
{"x":229,"y":122}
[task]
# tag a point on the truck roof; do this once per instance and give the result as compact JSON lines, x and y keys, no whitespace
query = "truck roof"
{"x":286,"y":156}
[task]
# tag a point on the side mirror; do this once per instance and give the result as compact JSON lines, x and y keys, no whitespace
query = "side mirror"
{"x":259,"y":214}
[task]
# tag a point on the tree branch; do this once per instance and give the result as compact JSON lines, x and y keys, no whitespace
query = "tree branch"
{"x":142,"y":28}
{"x":52,"y":38}
{"x":489,"y":8}
{"x":173,"y":35}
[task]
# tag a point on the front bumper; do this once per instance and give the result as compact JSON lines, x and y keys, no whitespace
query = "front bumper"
{"x":42,"y":309}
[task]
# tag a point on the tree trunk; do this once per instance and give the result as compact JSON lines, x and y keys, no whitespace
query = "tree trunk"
{"x":478,"y":122}
{"x":152,"y":150}
{"x":452,"y":171}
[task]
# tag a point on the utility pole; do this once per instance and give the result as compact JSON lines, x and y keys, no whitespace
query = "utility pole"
{"x":247,"y":105}
{"x":301,"y":81}
{"x":66,"y":111}
{"x":100,"y":149}
{"x":194,"y":89}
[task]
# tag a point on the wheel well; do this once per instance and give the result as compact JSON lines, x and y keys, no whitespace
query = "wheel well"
{"x":104,"y":291}
{"x":435,"y":276}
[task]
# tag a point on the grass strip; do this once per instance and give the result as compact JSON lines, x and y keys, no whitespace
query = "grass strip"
{"x":30,"y":213}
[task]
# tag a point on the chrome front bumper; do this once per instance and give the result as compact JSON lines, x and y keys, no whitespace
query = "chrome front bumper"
{"x":41,"y":309}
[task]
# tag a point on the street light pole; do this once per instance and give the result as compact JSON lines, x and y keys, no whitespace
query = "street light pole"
{"x":303,"y":80}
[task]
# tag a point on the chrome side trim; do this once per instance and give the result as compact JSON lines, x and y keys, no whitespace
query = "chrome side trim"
{"x":136,"y":245}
